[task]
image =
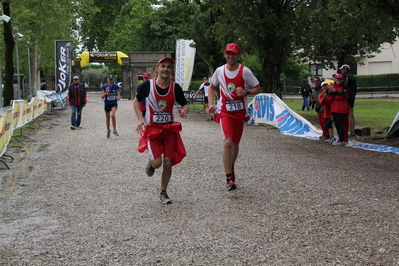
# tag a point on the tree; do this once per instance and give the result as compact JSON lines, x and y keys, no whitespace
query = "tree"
{"x":94,"y":74}
{"x":97,"y":25}
{"x":331,"y":32}
{"x":262,"y":27}
{"x":41,"y":23}
{"x":8,"y":92}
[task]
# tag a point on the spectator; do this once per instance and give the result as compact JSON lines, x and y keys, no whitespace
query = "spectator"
{"x":204,"y":86}
{"x":305,"y":92}
{"x":319,"y":109}
{"x":340,"y":109}
{"x":326,"y":101}
{"x":77,"y":98}
{"x":350,"y":82}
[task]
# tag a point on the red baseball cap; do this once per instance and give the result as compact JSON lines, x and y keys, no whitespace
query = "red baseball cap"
{"x":146,"y":75}
{"x":167,"y":59}
{"x":339,"y":76}
{"x":232,"y":47}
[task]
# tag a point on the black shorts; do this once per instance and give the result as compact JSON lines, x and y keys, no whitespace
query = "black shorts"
{"x":108,"y":107}
{"x":206,"y":100}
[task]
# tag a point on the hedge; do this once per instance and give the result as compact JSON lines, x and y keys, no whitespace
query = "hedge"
{"x":381,"y":82}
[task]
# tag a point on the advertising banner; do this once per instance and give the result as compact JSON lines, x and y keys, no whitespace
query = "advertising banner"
{"x":185,"y":56}
{"x":268,"y":108}
{"x":63,"y":71}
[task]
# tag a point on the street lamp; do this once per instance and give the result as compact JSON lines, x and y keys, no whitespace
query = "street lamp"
{"x":6,"y":19}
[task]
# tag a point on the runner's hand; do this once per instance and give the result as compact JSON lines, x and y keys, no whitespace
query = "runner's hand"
{"x":140,"y":126}
{"x":212,"y":108}
{"x":183,"y":113}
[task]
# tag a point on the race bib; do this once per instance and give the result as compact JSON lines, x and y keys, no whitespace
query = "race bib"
{"x":161,"y":117}
{"x":235,"y":105}
{"x":111,"y":96}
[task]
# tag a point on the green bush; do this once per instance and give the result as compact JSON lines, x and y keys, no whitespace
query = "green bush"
{"x":381,"y":82}
{"x":194,"y":85}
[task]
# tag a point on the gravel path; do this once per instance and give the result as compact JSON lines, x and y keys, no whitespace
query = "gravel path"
{"x":78,"y":198}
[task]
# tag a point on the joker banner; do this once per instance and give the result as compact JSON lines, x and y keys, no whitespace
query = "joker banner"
{"x":63,"y":59}
{"x":185,"y":56}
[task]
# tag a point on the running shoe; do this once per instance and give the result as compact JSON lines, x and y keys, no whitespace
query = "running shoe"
{"x":323,"y":138}
{"x":338,"y":143}
{"x":149,"y":169}
{"x":351,"y":135}
{"x":73,"y":127}
{"x":330,"y":140}
{"x":231,"y":185}
{"x":108,"y":134}
{"x":165,"y":198}
{"x":116,"y":133}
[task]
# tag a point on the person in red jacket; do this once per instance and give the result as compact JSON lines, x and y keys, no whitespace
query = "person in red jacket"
{"x":326,"y":101}
{"x":340,"y":109}
{"x":77,"y":98}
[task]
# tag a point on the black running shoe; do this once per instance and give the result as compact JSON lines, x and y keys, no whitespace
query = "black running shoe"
{"x":165,"y":198}
{"x":231,"y":187}
{"x":230,"y":184}
{"x":149,"y":169}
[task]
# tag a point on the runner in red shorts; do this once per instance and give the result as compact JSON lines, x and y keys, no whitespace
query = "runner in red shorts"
{"x":160,"y":134}
{"x":235,"y":82}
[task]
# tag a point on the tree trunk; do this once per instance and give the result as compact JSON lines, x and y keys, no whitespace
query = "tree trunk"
{"x":8,"y":92}
{"x":271,"y":78}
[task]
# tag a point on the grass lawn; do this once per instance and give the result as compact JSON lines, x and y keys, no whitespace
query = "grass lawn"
{"x":377,"y":114}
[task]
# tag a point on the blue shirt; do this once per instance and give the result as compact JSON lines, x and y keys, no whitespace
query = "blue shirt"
{"x":112,"y":96}
{"x":137,"y":90}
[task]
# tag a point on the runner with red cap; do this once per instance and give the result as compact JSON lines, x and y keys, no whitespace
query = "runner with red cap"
{"x":235,"y":82}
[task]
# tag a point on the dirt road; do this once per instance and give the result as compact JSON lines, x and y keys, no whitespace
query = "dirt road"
{"x":78,"y":198}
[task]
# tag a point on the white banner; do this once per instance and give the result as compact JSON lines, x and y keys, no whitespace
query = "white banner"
{"x":268,"y":108}
{"x":185,"y":56}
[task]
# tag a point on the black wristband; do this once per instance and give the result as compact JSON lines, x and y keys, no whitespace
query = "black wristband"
{"x":248,"y":92}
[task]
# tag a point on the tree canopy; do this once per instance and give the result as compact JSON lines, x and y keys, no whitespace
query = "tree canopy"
{"x":273,"y":34}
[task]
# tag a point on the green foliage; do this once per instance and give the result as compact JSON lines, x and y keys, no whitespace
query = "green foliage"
{"x":295,"y":70}
{"x":128,"y":30}
{"x":194,"y":85}
{"x":383,"y":81}
{"x":98,"y":23}
{"x":40,"y":23}
{"x":329,"y":31}
{"x":94,"y":75}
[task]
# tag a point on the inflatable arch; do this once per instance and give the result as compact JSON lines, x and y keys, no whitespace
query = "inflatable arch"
{"x":101,"y":57}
